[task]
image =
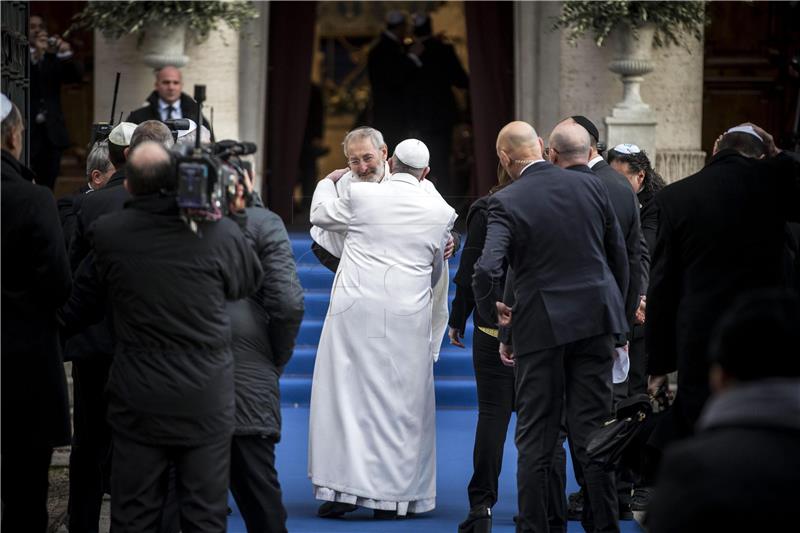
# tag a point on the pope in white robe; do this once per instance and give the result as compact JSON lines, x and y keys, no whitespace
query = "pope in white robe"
{"x":372,"y":420}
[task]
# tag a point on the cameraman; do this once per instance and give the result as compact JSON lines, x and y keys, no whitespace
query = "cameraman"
{"x":264,"y":328}
{"x":170,"y":389}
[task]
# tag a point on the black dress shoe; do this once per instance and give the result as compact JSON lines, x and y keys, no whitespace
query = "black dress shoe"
{"x":575,"y":506}
{"x":479,"y":520}
{"x":379,"y":514}
{"x":335,"y":509}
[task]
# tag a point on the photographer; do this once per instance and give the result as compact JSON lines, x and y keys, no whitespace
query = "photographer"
{"x":51,"y":66}
{"x":170,"y":390}
{"x":264,"y":328}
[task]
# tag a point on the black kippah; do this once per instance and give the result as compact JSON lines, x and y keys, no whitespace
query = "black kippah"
{"x":588,"y":126}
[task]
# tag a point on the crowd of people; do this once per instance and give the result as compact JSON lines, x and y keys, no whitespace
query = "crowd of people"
{"x":589,"y":281}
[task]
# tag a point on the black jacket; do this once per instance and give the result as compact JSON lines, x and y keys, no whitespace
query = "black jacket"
{"x":47,"y":76}
{"x":171,"y":380}
{"x":110,"y":198}
{"x":626,"y":207}
{"x":35,"y":282}
{"x":464,"y":300}
{"x":96,"y":340}
{"x":150,"y":111}
{"x":558,"y":230}
{"x":721,"y":232}
{"x":740,"y":472}
{"x":430,"y":100}
{"x":389,"y":69}
{"x":264,"y":327}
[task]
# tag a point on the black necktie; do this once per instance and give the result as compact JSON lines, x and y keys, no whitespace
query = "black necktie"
{"x":170,"y":109}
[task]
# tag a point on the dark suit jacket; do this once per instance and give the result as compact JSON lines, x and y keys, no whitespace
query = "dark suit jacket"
{"x":110,"y":198}
{"x":626,"y":208}
{"x":36,"y":281}
{"x":720,"y":233}
{"x":558,"y":231}
{"x":150,"y":111}
{"x":389,"y":68}
{"x":47,"y":76}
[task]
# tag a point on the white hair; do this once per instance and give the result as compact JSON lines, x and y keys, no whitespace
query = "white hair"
{"x":363,"y":132}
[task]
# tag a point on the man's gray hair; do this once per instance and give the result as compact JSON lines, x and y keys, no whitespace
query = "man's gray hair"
{"x":98,"y":159}
{"x":190,"y":138}
{"x":398,"y":167}
{"x":364,"y":132}
{"x":11,"y":122}
{"x":152,"y":130}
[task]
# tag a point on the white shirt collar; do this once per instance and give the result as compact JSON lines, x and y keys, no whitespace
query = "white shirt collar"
{"x":530,"y":165}
{"x":162,"y":108}
{"x":594,"y":161}
{"x":405,"y":178}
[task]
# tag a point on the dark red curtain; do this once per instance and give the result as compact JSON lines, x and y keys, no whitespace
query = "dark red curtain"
{"x":490,"y":42}
{"x":291,"y":41}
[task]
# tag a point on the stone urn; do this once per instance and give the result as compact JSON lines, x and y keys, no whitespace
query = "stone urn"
{"x":164,"y":45}
{"x":631,"y":61}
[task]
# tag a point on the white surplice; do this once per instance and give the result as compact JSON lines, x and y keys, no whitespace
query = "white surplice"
{"x":372,"y":421}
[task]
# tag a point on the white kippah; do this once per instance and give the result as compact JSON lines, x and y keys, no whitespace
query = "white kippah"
{"x":6,"y":105}
{"x":192,"y":127}
{"x":745,"y":129}
{"x":413,"y":153}
{"x":122,"y":133}
{"x":627,"y":149}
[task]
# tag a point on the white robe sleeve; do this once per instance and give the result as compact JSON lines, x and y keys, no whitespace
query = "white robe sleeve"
{"x":440,"y":280}
{"x":332,"y":215}
{"x":440,"y":313}
{"x":330,"y":212}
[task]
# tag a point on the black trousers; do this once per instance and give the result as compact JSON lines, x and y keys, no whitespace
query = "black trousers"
{"x":90,"y":457}
{"x":139,"y":484}
{"x":255,"y":486}
{"x":45,"y":158}
{"x":24,"y":488}
{"x":495,"y":384}
{"x":571,"y":381}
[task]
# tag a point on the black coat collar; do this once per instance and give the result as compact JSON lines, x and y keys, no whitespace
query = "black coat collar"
{"x":17,"y":169}
{"x":581,"y":168}
{"x":158,"y":203}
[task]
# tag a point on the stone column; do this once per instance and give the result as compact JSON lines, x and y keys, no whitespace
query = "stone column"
{"x":253,"y":57}
{"x":537,"y":61}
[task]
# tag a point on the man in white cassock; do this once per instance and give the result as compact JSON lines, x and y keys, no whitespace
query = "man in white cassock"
{"x":372,"y":421}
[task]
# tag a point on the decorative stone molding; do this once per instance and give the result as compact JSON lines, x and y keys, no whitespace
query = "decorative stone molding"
{"x":164,"y":45}
{"x":674,"y":165}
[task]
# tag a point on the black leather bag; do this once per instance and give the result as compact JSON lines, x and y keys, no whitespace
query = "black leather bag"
{"x":607,"y":443}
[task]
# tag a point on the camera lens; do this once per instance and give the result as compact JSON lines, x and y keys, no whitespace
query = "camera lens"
{"x":51,"y":41}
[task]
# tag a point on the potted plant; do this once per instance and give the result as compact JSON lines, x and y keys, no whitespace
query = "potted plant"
{"x":638,"y":26}
{"x":163,"y":27}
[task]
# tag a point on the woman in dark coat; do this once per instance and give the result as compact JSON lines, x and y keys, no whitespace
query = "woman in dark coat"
{"x":634,"y":164}
{"x":263,"y":328}
{"x":495,"y":382}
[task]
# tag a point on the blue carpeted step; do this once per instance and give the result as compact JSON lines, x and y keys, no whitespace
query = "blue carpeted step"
{"x":311,"y":329}
{"x":450,"y":392}
{"x":316,"y":303}
{"x":453,"y":362}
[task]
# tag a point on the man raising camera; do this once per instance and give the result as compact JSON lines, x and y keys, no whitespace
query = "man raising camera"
{"x":170,"y":389}
{"x":51,"y":65}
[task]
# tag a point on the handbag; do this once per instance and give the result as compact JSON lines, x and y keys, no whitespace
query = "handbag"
{"x":607,"y":443}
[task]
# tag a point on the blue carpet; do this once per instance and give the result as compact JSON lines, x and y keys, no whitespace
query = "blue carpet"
{"x":455,"y":432}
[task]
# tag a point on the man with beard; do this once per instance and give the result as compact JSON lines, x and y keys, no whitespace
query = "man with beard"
{"x":366,"y":154}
